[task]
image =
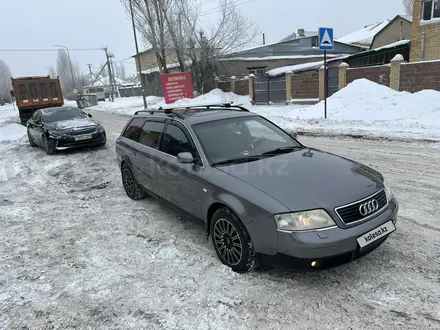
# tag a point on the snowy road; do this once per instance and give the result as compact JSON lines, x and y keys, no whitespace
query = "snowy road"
{"x":76,"y":253}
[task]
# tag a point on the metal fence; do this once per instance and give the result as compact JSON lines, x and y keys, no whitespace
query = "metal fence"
{"x":269,"y":90}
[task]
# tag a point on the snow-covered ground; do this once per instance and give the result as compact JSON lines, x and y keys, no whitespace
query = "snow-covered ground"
{"x":11,"y":132}
{"x":77,"y":253}
{"x":362,"y":108}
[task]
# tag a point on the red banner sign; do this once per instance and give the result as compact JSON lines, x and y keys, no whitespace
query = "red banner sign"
{"x":177,"y":86}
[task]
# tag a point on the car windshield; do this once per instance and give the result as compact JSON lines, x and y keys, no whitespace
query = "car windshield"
{"x":55,"y":115}
{"x":231,"y":140}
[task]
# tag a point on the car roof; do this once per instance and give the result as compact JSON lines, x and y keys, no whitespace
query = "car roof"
{"x":50,"y":110}
{"x":200,"y":114}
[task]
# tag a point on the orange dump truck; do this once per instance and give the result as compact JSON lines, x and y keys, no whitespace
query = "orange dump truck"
{"x":33,"y":93}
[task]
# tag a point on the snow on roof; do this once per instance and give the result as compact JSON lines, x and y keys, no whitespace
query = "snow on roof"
{"x":394,"y":44}
{"x":169,"y":66}
{"x":267,"y":58}
{"x":295,"y":35}
{"x":365,"y":35}
{"x":298,"y":67}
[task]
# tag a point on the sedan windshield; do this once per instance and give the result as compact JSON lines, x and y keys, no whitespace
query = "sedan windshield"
{"x":243,"y":139}
{"x":62,"y":114}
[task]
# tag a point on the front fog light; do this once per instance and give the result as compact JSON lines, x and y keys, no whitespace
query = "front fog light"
{"x":307,"y":220}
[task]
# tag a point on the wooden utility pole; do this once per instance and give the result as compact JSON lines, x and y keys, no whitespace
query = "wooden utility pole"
{"x":110,"y":73}
{"x":90,"y":70}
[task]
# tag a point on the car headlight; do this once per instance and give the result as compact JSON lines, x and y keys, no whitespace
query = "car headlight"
{"x":101,"y":129}
{"x":307,"y":220}
{"x":387,"y":189}
{"x":56,"y":133}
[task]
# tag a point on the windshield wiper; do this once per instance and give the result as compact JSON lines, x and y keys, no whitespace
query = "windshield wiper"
{"x":237,"y":160}
{"x":282,"y":150}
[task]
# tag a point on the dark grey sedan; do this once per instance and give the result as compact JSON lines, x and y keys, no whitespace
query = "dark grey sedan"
{"x":257,"y":188}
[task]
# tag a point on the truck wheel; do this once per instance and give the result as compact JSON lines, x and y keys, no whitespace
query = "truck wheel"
{"x":31,"y":141}
{"x":49,"y":145}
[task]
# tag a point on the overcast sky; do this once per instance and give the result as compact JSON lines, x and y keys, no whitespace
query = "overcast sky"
{"x":39,"y":24}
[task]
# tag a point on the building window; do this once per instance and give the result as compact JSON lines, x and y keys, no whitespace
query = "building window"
{"x":430,"y":9}
{"x":257,"y":71}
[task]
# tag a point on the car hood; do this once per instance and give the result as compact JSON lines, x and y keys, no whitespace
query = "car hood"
{"x":72,"y":124}
{"x":308,"y":179}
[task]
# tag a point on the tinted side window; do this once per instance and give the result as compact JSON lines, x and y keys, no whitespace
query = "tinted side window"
{"x":36,"y":117}
{"x":134,"y":128}
{"x":150,"y":134}
{"x":175,"y":142}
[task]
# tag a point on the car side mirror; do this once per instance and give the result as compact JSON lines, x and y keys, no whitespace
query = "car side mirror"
{"x":89,"y":115}
{"x":294,"y":135}
{"x":185,"y":158}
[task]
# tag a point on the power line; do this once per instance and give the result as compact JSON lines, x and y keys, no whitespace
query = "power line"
{"x":48,"y":50}
{"x":235,"y":3}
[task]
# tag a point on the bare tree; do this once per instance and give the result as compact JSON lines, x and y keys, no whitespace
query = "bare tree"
{"x":233,"y":30}
{"x":5,"y":81}
{"x":168,"y":27}
{"x":63,"y":70}
{"x":409,"y":5}
{"x":120,"y":71}
{"x":150,"y":21}
{"x":52,"y":72}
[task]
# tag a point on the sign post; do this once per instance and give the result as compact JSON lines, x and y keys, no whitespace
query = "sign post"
{"x":177,"y":86}
{"x":326,"y":42}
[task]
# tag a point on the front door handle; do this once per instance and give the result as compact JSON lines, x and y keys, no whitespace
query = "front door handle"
{"x":159,"y":166}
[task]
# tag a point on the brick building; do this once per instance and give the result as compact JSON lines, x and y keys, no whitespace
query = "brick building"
{"x":425,"y":44}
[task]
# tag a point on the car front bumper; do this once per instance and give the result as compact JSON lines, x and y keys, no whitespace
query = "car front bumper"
{"x":334,"y":241}
{"x":68,"y":142}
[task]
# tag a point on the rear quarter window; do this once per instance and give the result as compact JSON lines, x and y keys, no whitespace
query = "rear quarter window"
{"x":133,"y":129}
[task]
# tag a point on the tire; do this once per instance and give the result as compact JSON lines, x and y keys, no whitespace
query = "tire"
{"x":236,"y":250}
{"x":131,"y":187}
{"x":49,"y":145}
{"x":31,"y":141}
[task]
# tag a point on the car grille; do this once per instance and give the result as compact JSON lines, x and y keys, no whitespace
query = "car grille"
{"x":81,"y":131}
{"x":351,"y":213}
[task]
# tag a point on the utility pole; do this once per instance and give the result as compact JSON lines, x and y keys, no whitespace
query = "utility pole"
{"x":91,"y":73}
{"x":137,"y":56}
{"x":110,"y":74}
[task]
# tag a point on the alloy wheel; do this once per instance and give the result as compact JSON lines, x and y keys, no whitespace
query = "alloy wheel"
{"x":227,"y":242}
{"x":128,"y":180}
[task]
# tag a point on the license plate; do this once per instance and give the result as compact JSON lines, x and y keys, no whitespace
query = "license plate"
{"x":375,"y":234}
{"x":83,"y":137}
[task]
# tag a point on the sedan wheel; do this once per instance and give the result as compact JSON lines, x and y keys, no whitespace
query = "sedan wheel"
{"x":232,"y":242}
{"x":130,"y":185}
{"x":49,"y":145}
{"x":31,"y":141}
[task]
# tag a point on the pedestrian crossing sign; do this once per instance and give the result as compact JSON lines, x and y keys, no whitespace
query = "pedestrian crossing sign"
{"x":326,"y":41}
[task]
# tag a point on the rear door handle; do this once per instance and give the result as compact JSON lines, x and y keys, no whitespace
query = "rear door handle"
{"x":159,"y":166}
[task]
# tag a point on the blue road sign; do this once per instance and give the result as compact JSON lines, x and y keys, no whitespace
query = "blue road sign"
{"x":326,"y":41}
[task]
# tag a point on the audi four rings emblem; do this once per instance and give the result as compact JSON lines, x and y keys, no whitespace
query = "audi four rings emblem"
{"x":368,"y":207}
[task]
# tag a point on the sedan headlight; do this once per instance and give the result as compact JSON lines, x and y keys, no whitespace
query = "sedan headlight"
{"x":57,"y":133}
{"x":307,"y":220}
{"x":387,"y":189}
{"x":101,"y":129}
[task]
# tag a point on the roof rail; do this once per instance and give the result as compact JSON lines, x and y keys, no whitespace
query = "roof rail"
{"x":168,"y":109}
{"x":169,"y":113}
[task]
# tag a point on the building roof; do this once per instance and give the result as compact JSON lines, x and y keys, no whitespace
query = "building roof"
{"x":295,"y":35}
{"x":365,"y":36}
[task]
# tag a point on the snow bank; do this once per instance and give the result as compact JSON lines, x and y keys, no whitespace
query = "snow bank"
{"x":215,"y":96}
{"x":364,"y":107}
{"x":126,"y":105}
{"x":11,"y":132}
